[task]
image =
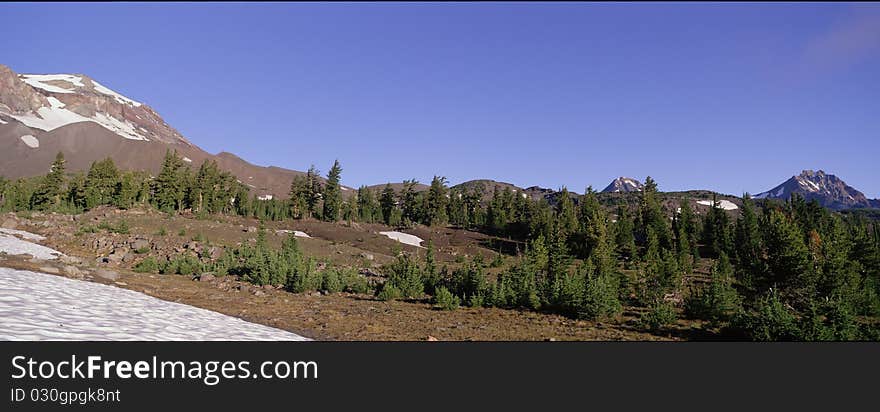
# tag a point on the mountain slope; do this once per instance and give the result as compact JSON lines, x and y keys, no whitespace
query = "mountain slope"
{"x":829,"y":190}
{"x":41,"y":115}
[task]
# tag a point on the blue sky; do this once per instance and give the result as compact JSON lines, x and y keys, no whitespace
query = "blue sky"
{"x":728,"y":97}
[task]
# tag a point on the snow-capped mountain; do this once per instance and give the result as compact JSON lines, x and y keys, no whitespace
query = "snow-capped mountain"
{"x":623,"y":184}
{"x":50,"y":101}
{"x":828,"y":189}
{"x":42,"y":114}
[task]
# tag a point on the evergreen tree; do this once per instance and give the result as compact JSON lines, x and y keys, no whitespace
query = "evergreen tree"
{"x":788,"y":258}
{"x":412,"y":211}
{"x":566,"y":215}
{"x":749,"y":248}
{"x":387,"y":203}
{"x":333,"y":194}
{"x":49,"y":194}
{"x":170,"y":186}
{"x":652,"y":216}
{"x":101,"y":182}
{"x":624,"y":238}
{"x":436,"y":201}
{"x":367,"y":206}
{"x":298,"y":197}
{"x":314,"y":191}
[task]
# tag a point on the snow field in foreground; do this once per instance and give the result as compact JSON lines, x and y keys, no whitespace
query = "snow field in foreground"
{"x":37,"y":306}
{"x":12,"y":245}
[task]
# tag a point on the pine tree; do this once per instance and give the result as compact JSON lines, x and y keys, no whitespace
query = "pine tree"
{"x":652,"y":216}
{"x":49,"y":194}
{"x":788,"y":258}
{"x":436,"y":201}
{"x":298,"y":200}
{"x":387,"y":203}
{"x":749,"y":248}
{"x":332,"y":194}
{"x":101,"y":182}
{"x":170,"y":185}
{"x":412,"y":210}
{"x":624,"y":238}
{"x":314,"y":191}
{"x":566,"y":215}
{"x":368,"y":209}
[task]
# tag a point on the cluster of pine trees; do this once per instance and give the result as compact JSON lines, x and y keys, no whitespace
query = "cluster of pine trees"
{"x":780,"y":270}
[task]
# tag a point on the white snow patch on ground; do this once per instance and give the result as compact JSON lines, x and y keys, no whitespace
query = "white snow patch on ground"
{"x":3,"y":121}
{"x":22,"y":234}
{"x":37,"y":80}
{"x":724,"y":204}
{"x":37,"y":306}
{"x":404,"y":238}
{"x":296,"y":233}
{"x":30,"y":141}
{"x":119,"y":98}
{"x":186,"y":159}
{"x":15,"y":246}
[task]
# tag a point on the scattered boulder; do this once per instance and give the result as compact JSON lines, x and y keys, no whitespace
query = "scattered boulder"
{"x":9,"y":223}
{"x":115,"y":258}
{"x":70,"y":260}
{"x":50,"y":269}
{"x":431,"y":339}
{"x":207,"y":277}
{"x":72,"y":271}
{"x":106,"y":274}
{"x":138,"y":244}
{"x":215,"y":252}
{"x":367,"y":256}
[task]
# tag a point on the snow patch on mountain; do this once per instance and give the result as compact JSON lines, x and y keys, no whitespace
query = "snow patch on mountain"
{"x":55,"y":116}
{"x":55,"y":103}
{"x":50,"y":118}
{"x":119,"y":98}
{"x":30,"y":141}
{"x":39,"y":81}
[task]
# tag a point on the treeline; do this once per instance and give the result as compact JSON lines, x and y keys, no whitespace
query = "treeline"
{"x":791,"y":270}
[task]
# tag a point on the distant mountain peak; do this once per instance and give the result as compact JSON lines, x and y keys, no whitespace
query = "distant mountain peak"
{"x":623,"y":184}
{"x":829,"y":190}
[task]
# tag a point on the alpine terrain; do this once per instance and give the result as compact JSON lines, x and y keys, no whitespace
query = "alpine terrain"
{"x":829,"y":190}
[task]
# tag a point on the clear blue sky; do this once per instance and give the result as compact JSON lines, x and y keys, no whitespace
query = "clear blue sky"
{"x":728,"y":97}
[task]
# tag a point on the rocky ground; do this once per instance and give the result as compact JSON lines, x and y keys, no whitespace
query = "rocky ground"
{"x":100,"y":255}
